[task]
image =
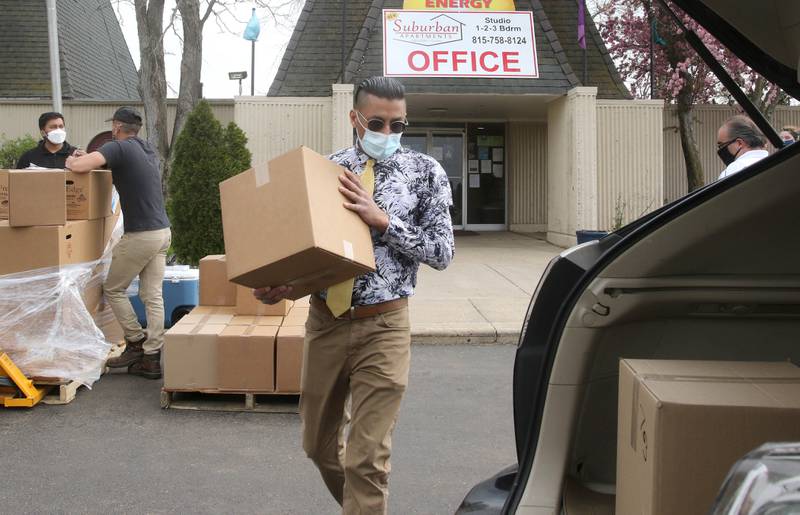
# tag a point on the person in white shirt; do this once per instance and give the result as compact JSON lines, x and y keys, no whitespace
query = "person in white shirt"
{"x":739,"y":144}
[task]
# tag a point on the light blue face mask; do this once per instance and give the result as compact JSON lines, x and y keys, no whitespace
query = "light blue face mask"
{"x":378,"y":145}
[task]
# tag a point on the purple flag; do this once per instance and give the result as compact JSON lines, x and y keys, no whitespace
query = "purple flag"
{"x":581,"y":25}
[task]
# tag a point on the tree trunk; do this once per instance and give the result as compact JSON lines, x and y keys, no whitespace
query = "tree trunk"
{"x":191,"y":63}
{"x":152,"y":78}
{"x":691,"y":155}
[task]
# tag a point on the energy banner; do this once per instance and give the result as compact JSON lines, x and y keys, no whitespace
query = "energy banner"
{"x":459,"y":44}
{"x":460,"y":5}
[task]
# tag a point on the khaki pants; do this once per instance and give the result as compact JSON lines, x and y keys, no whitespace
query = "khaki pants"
{"x":369,"y":360}
{"x":143,"y":254}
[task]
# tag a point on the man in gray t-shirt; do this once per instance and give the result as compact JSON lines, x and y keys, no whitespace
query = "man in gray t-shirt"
{"x":143,"y":248}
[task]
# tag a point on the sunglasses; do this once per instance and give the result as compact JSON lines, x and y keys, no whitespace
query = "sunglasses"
{"x":726,"y":143}
{"x":377,"y":124}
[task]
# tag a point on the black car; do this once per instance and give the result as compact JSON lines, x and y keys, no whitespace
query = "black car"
{"x":714,"y":275}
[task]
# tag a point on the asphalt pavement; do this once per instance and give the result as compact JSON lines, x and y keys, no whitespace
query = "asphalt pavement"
{"x":114,"y":450}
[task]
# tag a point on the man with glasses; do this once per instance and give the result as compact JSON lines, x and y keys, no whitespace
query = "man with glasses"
{"x":358,"y":334}
{"x":739,"y":144}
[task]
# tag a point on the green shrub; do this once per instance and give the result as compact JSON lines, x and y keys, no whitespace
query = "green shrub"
{"x":11,"y":150}
{"x":205,"y":155}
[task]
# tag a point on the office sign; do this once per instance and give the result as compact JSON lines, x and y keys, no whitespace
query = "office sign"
{"x":459,"y":44}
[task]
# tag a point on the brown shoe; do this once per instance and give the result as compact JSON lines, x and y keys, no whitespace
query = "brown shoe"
{"x":133,"y":352}
{"x":149,"y":366}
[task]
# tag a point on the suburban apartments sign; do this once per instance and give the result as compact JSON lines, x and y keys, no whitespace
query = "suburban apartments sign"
{"x":459,"y":38}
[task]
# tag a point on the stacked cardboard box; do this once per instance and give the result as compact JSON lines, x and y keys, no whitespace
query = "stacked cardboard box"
{"x":232,"y":342}
{"x":53,"y":218}
{"x":683,"y":424}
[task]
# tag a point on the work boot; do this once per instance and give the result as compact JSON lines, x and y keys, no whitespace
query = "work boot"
{"x":133,"y":352}
{"x":149,"y":366}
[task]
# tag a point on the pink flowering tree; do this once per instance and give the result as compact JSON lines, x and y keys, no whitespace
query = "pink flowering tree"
{"x":679,"y":75}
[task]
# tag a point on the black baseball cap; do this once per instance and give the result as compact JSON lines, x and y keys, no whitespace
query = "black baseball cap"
{"x":127,"y":115}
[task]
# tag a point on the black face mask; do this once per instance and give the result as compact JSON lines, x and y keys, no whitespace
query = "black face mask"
{"x":725,"y":154}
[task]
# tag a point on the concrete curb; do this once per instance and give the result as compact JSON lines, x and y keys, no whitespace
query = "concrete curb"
{"x":449,"y":336}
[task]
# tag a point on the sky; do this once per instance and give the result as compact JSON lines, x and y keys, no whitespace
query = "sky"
{"x":224,"y":49}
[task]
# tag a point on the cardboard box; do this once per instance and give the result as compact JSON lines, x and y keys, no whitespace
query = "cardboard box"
{"x":296,"y":317}
{"x":213,"y":318}
{"x":88,"y":195}
{"x":683,"y":424}
{"x":36,"y":197}
{"x":215,"y":289}
{"x":247,"y":304}
{"x":3,"y":194}
{"x":190,"y":357}
{"x":580,"y":500}
{"x":28,"y":248}
{"x":246,"y":358}
{"x":107,"y":323}
{"x":273,"y":321}
{"x":93,"y":296}
{"x":285,"y":224}
{"x":289,"y":359}
{"x":109,"y":224}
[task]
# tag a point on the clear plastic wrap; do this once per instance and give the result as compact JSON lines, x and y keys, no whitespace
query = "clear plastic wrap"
{"x":46,"y":327}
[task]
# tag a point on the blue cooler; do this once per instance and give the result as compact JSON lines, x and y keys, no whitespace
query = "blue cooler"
{"x":181,"y":294}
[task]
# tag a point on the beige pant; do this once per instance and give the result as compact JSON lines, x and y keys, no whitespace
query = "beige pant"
{"x":143,"y":254}
{"x":367,"y":359}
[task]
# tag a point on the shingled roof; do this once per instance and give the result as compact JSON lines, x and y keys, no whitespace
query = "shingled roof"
{"x":312,"y":59}
{"x":95,"y":60}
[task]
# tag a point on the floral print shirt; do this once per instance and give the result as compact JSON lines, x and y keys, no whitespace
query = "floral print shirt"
{"x":412,"y":188}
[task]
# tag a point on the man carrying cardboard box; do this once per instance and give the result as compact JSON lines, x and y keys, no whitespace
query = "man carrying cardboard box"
{"x":143,"y":248}
{"x":357,"y":334}
{"x":53,"y":150}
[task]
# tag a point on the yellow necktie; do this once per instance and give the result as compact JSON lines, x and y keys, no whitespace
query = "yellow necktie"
{"x":340,"y":296}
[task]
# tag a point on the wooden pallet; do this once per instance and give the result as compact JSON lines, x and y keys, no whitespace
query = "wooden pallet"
{"x":59,"y":392}
{"x":216,"y":400}
{"x":63,"y":392}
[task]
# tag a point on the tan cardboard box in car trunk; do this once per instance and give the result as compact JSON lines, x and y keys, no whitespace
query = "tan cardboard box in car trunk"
{"x":215,"y":289}
{"x":88,"y":195}
{"x":285,"y":223}
{"x":36,"y":197}
{"x":29,"y":248}
{"x":683,"y":424}
{"x":289,"y":359}
{"x":247,"y":304}
{"x":246,"y":358}
{"x":190,"y":357}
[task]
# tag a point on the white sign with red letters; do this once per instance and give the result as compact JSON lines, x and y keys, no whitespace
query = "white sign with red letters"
{"x":459,"y":44}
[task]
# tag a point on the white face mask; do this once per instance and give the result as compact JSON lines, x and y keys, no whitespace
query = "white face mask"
{"x":57,"y":136}
{"x":378,"y":145}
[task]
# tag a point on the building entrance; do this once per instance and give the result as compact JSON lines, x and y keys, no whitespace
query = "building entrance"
{"x":474,"y":160}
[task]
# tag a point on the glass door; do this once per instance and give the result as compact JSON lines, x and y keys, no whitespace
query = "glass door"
{"x":448,"y":148}
{"x":486,"y":176}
